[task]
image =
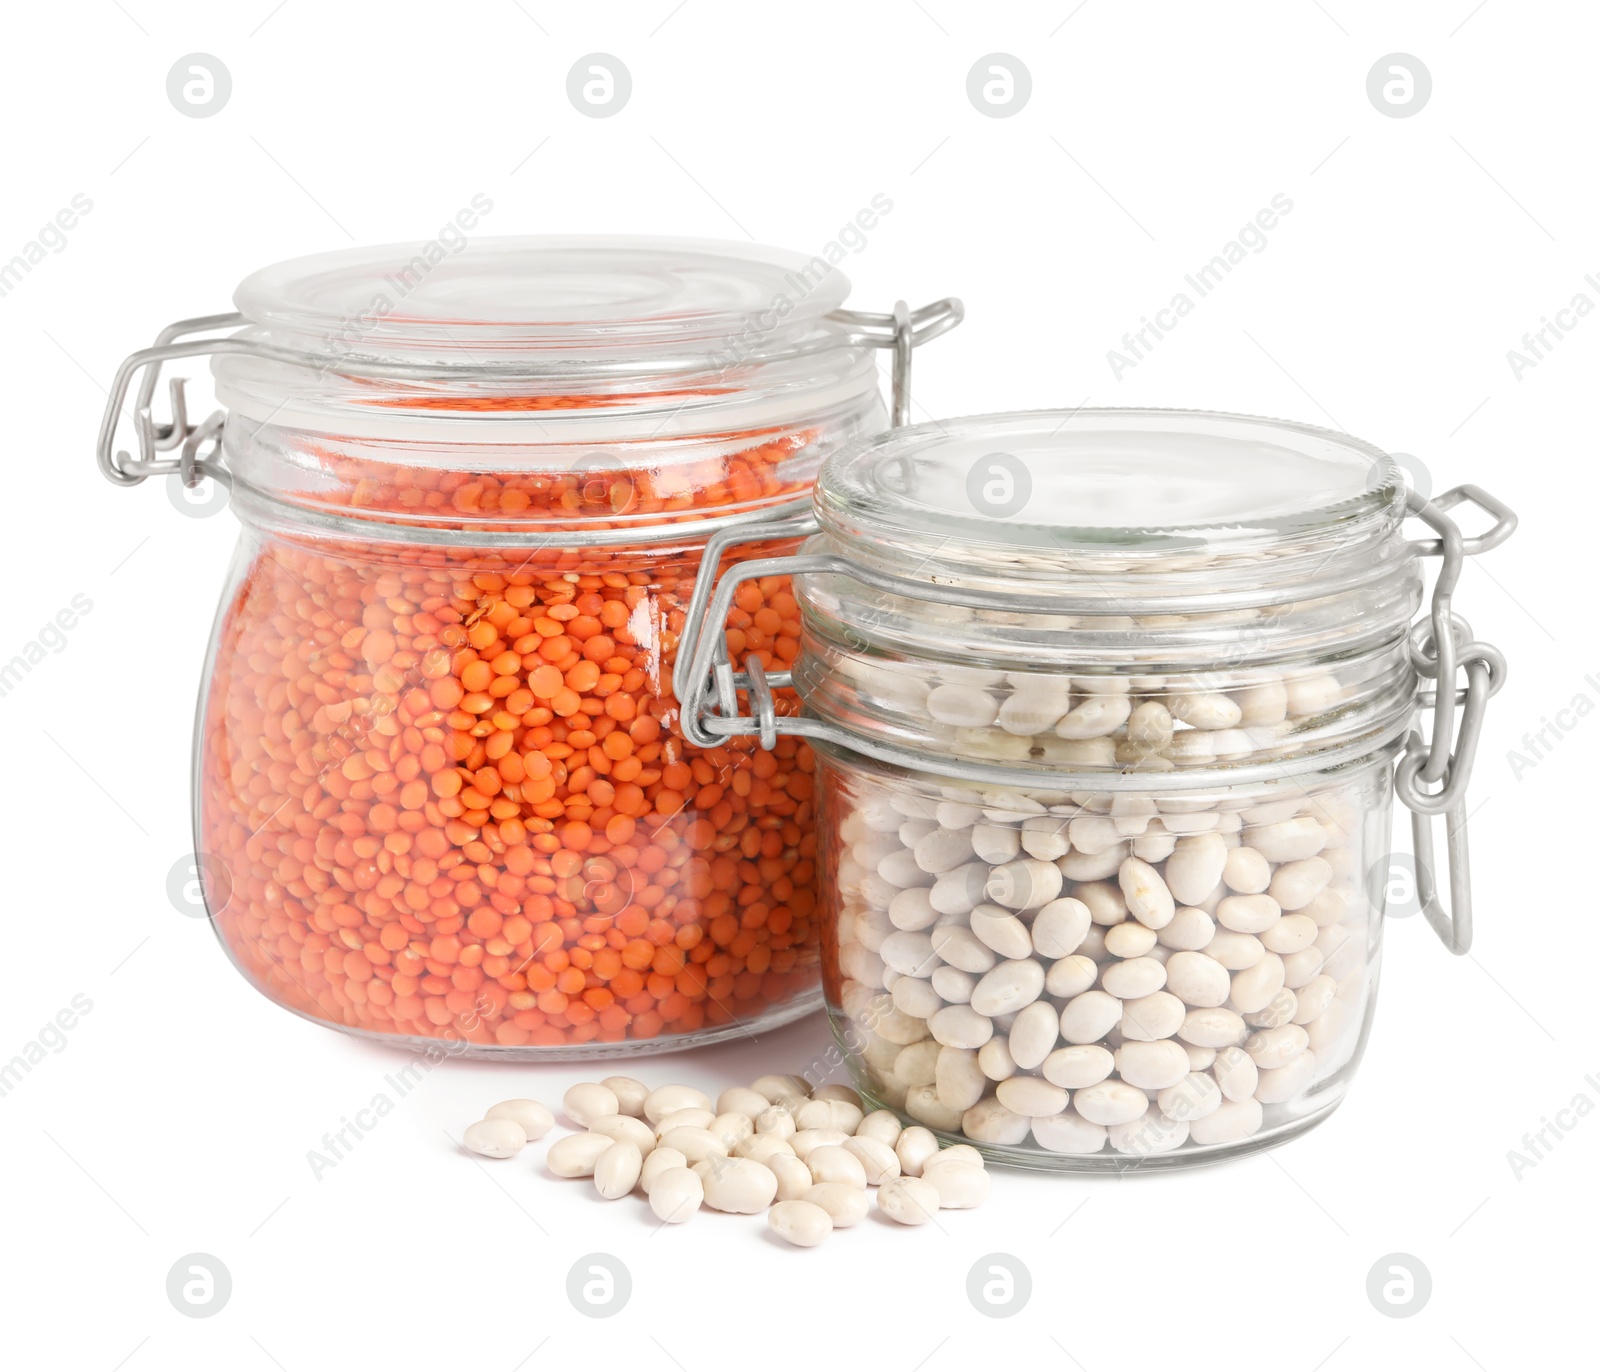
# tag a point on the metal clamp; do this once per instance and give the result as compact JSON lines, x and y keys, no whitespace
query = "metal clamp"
{"x":1441,"y":646}
{"x":901,"y":330}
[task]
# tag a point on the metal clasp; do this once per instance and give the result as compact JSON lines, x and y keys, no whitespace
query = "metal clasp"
{"x":1441,"y":646}
{"x":902,"y":330}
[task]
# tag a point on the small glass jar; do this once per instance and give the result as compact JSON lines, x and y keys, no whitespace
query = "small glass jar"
{"x":1107,"y":707}
{"x":441,"y":791}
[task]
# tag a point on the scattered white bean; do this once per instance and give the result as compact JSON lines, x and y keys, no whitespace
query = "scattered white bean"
{"x":499,"y":1137}
{"x":535,"y":1119}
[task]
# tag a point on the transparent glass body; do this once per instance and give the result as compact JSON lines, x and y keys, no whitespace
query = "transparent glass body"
{"x":441,"y":789}
{"x":1110,"y":903}
{"x":1056,"y":1028}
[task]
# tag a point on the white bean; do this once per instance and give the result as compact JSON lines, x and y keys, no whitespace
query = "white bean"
{"x":676,"y":1194}
{"x":908,"y":1200}
{"x":659,"y":1161}
{"x":965,"y":707}
{"x":1278,"y":1046}
{"x":1291,"y":934}
{"x":616,"y":1171}
{"x":960,"y":1026}
{"x":1296,"y":884}
{"x":1156,"y":1016}
{"x":924,"y":1106}
{"x":1134,"y":978}
{"x":665,"y":1099}
{"x":953,"y":986}
{"x":1197,"y":980}
{"x":963,"y":949}
{"x":1189,"y":931}
{"x":995,"y":1059}
{"x":990,"y":1122}
{"x":1246,"y":871}
{"x":959,"y":1080}
{"x":535,"y":1119}
{"x":1071,"y":976}
{"x":630,"y":1094}
{"x":690,"y":1118}
{"x":589,"y":1101}
{"x":576,"y":1154}
{"x":1032,"y":1096}
{"x":1090,"y":1016}
{"x":877,"y":1159}
{"x":694,"y":1143}
{"x":1149,"y":900}
{"x":628,"y":1129}
{"x":1235,"y":951}
{"x":960,"y":1185}
{"x":1254,"y":988}
{"x":1110,"y":1102}
{"x":1008,"y":988}
{"x":954,"y":893}
{"x":844,"y":1204}
{"x":995,"y":844}
{"x":1024,"y":884}
{"x":1195,"y":867}
{"x":1033,"y":1033}
{"x":738,"y":1186}
{"x":1212,"y":1028}
{"x":882,"y":1125}
{"x":1247,"y":914}
{"x":1069,"y":1132}
{"x":494,"y":1138}
{"x":1000,"y":931}
{"x":1095,"y":717}
{"x":799,"y":1222}
{"x":1059,"y":927}
{"x":1150,"y":1066}
{"x":914,"y":1147}
{"x":1288,"y":841}
{"x":1129,"y":939}
{"x":1236,"y":1073}
{"x":1078,"y":1066}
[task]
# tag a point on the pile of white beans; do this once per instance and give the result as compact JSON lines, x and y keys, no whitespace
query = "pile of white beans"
{"x":1128,"y":973}
{"x":1149,"y":722}
{"x":805,"y":1157}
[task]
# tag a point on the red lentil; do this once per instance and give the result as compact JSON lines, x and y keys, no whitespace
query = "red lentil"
{"x":451,"y":791}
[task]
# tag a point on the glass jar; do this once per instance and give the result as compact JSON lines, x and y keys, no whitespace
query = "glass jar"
{"x":441,"y":791}
{"x":1107,"y":708}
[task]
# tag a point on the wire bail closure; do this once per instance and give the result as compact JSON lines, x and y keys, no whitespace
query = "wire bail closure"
{"x":1441,"y":646}
{"x":901,"y":331}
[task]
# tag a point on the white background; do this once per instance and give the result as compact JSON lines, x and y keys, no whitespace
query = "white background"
{"x":178,"y":1116}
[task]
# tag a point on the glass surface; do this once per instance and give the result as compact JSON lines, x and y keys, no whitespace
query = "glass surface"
{"x":440,"y":766}
{"x":516,"y":293}
{"x":1102,"y":982}
{"x":1111,"y":480}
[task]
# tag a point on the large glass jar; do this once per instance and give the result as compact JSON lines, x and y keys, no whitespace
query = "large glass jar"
{"x":1107,"y":707}
{"x":441,"y":790}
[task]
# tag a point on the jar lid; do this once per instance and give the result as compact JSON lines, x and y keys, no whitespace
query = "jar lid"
{"x":1046,"y":491}
{"x":541,"y":340}
{"x":469,"y":301}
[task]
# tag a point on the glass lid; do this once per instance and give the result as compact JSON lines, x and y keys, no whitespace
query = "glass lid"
{"x":1119,"y":483}
{"x":457,"y":300}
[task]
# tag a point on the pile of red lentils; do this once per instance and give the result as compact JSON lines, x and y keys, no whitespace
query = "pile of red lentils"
{"x":449,"y":791}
